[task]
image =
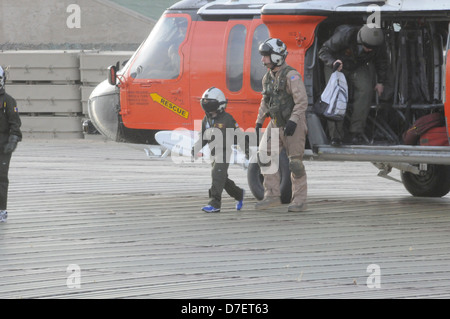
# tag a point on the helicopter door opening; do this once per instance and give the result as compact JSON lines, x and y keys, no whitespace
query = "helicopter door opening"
{"x":415,"y":81}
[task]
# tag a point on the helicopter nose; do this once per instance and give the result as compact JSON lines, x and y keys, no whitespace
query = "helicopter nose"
{"x":103,"y":109}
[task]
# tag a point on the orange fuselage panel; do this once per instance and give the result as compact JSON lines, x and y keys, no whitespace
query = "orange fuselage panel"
{"x":155,"y":104}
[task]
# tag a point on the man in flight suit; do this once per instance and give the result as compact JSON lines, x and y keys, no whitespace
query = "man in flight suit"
{"x":10,"y":135}
{"x":285,"y":101}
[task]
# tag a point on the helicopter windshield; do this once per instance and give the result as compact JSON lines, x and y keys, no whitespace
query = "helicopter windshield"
{"x":159,"y":57}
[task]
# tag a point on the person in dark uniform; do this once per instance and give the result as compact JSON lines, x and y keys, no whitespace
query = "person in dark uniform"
{"x":218,"y":130}
{"x":360,"y":53}
{"x":10,"y":135}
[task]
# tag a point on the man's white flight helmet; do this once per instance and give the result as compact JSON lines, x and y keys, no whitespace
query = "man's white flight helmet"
{"x":213,"y":100}
{"x":276,"y":49}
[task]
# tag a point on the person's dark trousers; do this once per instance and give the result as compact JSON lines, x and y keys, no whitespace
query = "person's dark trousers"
{"x":220,"y":181}
{"x":362,"y":83}
{"x":4,"y":181}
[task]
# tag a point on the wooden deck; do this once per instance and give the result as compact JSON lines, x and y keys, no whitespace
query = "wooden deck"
{"x":134,"y":227}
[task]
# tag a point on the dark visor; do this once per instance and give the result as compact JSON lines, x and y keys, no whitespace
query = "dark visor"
{"x":265,"y":49}
{"x":210,"y":105}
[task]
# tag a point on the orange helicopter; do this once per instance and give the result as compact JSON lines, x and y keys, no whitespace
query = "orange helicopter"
{"x":201,"y":43}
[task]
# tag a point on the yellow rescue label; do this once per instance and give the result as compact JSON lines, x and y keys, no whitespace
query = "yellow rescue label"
{"x":169,"y":105}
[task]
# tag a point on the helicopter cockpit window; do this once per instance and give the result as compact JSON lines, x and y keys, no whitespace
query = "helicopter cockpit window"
{"x":159,"y":56}
{"x":257,"y":69}
{"x":235,"y":58}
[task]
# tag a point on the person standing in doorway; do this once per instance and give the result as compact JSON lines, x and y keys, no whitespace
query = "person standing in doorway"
{"x":360,"y":53}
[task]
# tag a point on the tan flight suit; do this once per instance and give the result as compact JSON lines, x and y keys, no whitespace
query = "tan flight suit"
{"x":295,"y":144}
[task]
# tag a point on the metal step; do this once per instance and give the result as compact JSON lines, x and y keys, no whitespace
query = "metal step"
{"x":395,"y":153}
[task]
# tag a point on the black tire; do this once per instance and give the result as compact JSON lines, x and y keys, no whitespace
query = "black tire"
{"x":435,"y":183}
{"x":255,"y":179}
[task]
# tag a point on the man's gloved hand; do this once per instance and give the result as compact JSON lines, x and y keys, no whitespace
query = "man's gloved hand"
{"x":258,"y":126}
{"x":257,"y":130}
{"x":290,"y":127}
{"x":11,"y":145}
{"x":247,"y":147}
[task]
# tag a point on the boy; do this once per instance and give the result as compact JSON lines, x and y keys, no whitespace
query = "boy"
{"x":214,"y":132}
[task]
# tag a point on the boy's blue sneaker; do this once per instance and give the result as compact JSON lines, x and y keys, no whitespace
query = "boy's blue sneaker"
{"x":240,"y":203}
{"x":3,"y":216}
{"x":210,"y":209}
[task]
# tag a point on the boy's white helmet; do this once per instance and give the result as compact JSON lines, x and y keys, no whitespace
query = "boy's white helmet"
{"x":213,"y":100}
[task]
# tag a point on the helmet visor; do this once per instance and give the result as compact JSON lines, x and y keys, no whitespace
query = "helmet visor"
{"x":265,"y":49}
{"x":210,"y":105}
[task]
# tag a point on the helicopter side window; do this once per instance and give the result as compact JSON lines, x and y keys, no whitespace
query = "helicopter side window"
{"x":159,"y":57}
{"x":235,"y":58}
{"x":257,"y":69}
